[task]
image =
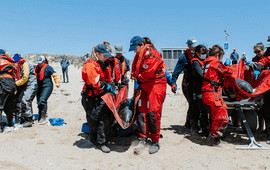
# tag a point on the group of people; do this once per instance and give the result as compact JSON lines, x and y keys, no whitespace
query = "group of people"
{"x":106,"y":71}
{"x":20,"y":83}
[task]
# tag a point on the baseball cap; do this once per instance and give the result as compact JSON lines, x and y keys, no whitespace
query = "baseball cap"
{"x":134,"y":42}
{"x":16,"y":58}
{"x":2,"y":51}
{"x":118,"y":49}
{"x":101,"y":48}
{"x":192,"y":41}
{"x":40,"y":59}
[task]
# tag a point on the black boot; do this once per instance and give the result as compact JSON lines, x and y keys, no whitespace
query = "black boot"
{"x":213,"y":141}
{"x":194,"y":126}
{"x":42,"y":118}
{"x":28,"y":122}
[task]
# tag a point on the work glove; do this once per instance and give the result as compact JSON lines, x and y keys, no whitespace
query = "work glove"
{"x":244,"y":58}
{"x":227,"y":62}
{"x":137,"y":84}
{"x":252,"y":66}
{"x":256,"y":73}
{"x":56,"y":80}
{"x":174,"y":88}
{"x":109,"y":88}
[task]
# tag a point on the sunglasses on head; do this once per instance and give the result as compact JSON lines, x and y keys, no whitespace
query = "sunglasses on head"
{"x":257,"y":51}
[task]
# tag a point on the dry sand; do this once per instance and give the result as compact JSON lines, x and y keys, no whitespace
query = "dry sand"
{"x":66,"y":147}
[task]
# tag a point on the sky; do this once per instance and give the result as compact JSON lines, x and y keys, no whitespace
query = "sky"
{"x":74,"y":27}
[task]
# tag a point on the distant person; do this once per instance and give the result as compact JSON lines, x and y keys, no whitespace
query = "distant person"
{"x":86,"y":57}
{"x":44,"y":72}
{"x":7,"y":85}
{"x":26,"y":90}
{"x":64,"y":64}
{"x":234,"y":56}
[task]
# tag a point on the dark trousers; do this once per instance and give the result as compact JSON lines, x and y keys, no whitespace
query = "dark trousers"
{"x":43,"y":95}
{"x":7,"y":103}
{"x":65,"y":73}
{"x":98,"y":117}
{"x":234,"y":61}
{"x":266,"y":107}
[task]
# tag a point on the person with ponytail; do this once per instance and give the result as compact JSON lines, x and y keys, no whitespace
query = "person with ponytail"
{"x":147,"y":71}
{"x":43,"y":73}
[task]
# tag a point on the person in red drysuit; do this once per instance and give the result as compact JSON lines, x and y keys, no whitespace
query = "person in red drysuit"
{"x":147,"y":70}
{"x":213,"y":70}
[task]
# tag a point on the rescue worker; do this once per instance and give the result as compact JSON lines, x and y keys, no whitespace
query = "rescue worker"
{"x":147,"y":70}
{"x":97,"y":76}
{"x":184,"y":64}
{"x":197,"y":64}
{"x":124,"y":65}
{"x":213,"y":70}
{"x":27,"y":83}
{"x":43,"y":73}
{"x":7,"y":85}
{"x":262,"y":64}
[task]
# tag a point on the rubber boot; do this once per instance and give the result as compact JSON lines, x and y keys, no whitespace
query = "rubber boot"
{"x":105,"y":149}
{"x":42,"y":117}
{"x":213,"y":141}
{"x":194,"y":126}
{"x":140,"y":146}
{"x":28,"y":122}
{"x":154,"y":148}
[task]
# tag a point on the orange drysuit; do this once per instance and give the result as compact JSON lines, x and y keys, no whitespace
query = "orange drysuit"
{"x":147,"y":68}
{"x":213,"y":70}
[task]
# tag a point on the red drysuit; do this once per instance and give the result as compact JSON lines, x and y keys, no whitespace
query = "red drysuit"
{"x":213,"y":70}
{"x":147,"y":69}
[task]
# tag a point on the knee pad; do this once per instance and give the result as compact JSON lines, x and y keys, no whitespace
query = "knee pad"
{"x":152,"y":123}
{"x":141,"y":123}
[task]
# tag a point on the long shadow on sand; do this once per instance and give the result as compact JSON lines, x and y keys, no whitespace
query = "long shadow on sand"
{"x":117,"y":144}
{"x":232,"y":135}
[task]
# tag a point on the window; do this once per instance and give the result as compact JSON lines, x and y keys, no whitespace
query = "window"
{"x":177,"y":54}
{"x":167,"y":54}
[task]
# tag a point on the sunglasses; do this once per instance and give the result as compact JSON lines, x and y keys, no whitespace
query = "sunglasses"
{"x":257,"y":51}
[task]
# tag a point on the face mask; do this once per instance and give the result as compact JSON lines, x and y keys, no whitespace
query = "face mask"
{"x":203,"y":56}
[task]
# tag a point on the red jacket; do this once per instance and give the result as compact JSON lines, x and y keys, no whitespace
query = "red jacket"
{"x":7,"y":67}
{"x":213,"y":70}
{"x":263,"y":63}
{"x":257,"y":59}
{"x":92,"y":75}
{"x":148,"y":65}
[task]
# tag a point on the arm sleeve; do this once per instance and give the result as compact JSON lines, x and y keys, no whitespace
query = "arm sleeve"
{"x":263,"y":63}
{"x":169,"y":78}
{"x":225,"y":70}
{"x":61,"y":63}
{"x":50,"y":70}
{"x":150,"y":65}
{"x":68,"y":63}
{"x":91,"y":75}
{"x":23,"y":80}
{"x":182,"y":62}
{"x":197,"y":71}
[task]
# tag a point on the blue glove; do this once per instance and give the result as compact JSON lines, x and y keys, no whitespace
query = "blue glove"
{"x":136,"y":84}
{"x":109,"y":88}
{"x":244,"y":58}
{"x":227,"y":62}
{"x":256,"y":73}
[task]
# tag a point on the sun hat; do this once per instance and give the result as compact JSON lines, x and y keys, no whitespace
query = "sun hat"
{"x":118,"y":49}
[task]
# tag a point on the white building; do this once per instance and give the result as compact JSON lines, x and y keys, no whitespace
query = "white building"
{"x":171,"y":55}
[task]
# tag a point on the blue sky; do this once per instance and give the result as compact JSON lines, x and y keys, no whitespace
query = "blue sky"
{"x":73,"y":27}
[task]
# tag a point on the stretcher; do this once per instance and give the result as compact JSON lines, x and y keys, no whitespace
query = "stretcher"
{"x":247,"y":109}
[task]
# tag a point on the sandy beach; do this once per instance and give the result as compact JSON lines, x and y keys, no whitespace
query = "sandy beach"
{"x":66,"y":147}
